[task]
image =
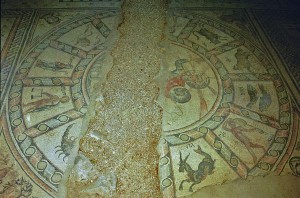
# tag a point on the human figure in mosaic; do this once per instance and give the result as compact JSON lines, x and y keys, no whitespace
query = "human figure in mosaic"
{"x":50,"y":101}
{"x":54,"y":66}
{"x":209,"y":35}
{"x":239,"y":127}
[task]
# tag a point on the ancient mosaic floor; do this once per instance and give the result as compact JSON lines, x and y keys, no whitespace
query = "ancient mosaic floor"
{"x":228,"y":93}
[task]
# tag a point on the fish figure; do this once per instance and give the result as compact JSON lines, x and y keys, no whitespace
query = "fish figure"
{"x":265,"y":99}
{"x":252,"y":92}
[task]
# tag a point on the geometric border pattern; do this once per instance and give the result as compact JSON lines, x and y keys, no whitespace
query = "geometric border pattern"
{"x":11,"y":56}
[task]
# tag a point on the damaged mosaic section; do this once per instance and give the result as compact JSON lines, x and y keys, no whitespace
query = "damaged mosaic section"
{"x":122,"y":136}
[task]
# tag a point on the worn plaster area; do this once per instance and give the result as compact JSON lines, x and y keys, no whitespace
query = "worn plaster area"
{"x":277,"y":186}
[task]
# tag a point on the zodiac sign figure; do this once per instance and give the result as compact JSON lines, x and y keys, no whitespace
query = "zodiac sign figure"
{"x":67,"y":143}
{"x":85,"y":39}
{"x":264,"y":101}
{"x":49,"y":102}
{"x":205,"y":168}
{"x":243,"y":61}
{"x":54,"y":66}
{"x":212,"y":37}
{"x":238,"y":127}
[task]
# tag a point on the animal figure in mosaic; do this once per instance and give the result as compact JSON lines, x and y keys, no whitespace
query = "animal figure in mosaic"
{"x":239,"y":127}
{"x":264,"y":100}
{"x":242,"y":60}
{"x":54,"y":66}
{"x":205,"y":168}
{"x":83,"y":40}
{"x":67,"y":143}
{"x":212,"y":37}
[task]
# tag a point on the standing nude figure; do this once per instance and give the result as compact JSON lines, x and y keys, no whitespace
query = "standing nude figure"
{"x":238,"y":128}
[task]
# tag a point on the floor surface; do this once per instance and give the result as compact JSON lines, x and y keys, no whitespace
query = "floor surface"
{"x":149,"y":98}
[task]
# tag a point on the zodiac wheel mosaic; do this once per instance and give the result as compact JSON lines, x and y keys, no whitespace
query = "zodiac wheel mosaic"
{"x":50,"y":94}
{"x":227,"y":113}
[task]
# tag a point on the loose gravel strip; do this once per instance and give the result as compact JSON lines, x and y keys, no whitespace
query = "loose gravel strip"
{"x":128,"y":121}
